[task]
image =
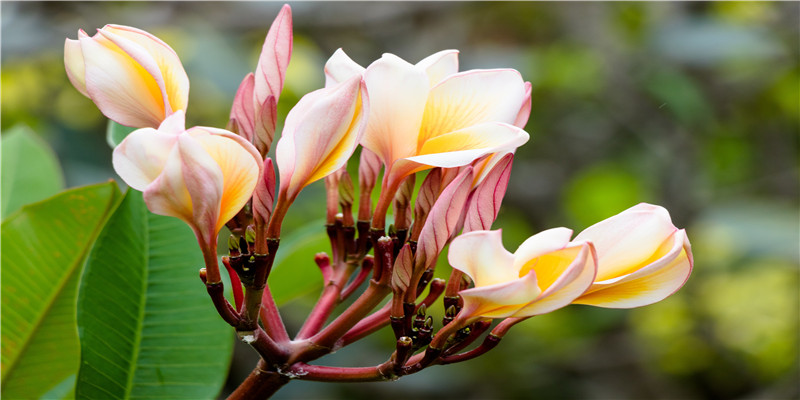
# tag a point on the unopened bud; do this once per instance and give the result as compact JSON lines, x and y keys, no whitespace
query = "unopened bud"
{"x":368,"y":168}
{"x":429,"y":322}
{"x":346,"y":190}
{"x":203,"y":275}
{"x":450,"y":312}
{"x":422,"y":310}
{"x":403,"y":269}
{"x":233,"y":246}
{"x":250,"y":236}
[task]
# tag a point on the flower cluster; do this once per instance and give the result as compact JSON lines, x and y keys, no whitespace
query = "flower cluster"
{"x":462,"y":126}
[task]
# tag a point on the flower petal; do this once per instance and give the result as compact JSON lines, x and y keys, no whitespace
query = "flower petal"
{"x":442,"y":220}
{"x":142,"y":155}
{"x":74,"y":65}
{"x":570,"y":281}
{"x":324,"y":127}
{"x":484,"y":203}
{"x":239,"y":164}
{"x":624,"y":241}
{"x":340,"y":67}
{"x":525,"y":111}
{"x":500,"y":300}
{"x":465,"y":145}
{"x":470,"y":98}
{"x":121,"y":88}
{"x":167,"y":64}
{"x":481,"y":255}
{"x":440,"y":65}
{"x":243,"y":110}
{"x":648,"y":285}
{"x":397,"y":91}
{"x":538,"y":245}
{"x":274,"y":58}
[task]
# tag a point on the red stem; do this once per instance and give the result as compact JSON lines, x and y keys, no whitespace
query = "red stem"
{"x":271,"y":318}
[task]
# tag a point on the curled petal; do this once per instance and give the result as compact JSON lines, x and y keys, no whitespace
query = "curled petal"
{"x":565,"y":283}
{"x":525,"y":111}
{"x":73,"y":63}
{"x":540,"y":244}
{"x":464,"y":146}
{"x":652,"y":283}
{"x":440,"y":65}
{"x":340,"y":67}
{"x":625,"y":241}
{"x":483,"y":258}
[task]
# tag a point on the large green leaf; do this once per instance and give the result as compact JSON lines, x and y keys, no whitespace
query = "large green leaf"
{"x":44,"y":246}
{"x":30,"y":170}
{"x":147,"y":327}
{"x":295,"y":272}
{"x":116,"y":133}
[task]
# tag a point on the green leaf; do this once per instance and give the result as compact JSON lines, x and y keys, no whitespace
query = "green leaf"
{"x":115,"y":133}
{"x":147,"y":327}
{"x":44,"y":246}
{"x":295,"y":272}
{"x":30,"y":171}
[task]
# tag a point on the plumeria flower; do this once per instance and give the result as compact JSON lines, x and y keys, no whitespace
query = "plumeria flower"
{"x":643,"y":258}
{"x":132,"y":76}
{"x":546,"y":272}
{"x":430,"y":115}
{"x":202,"y":175}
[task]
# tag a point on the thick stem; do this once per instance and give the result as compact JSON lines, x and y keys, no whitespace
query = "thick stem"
{"x":260,"y":384}
{"x":275,"y":221}
{"x":271,"y":318}
{"x":322,"y":310}
{"x":389,"y":188}
{"x":322,"y":343}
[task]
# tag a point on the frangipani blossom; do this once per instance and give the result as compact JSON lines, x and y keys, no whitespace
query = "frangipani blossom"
{"x":202,"y":175}
{"x":546,"y":272}
{"x":133,"y":77}
{"x":430,"y":115}
{"x":320,"y":134}
{"x":643,"y":258}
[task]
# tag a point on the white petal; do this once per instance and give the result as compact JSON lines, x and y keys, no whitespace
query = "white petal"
{"x":626,"y":240}
{"x":440,"y":65}
{"x":397,"y":92}
{"x":141,"y":156}
{"x":340,"y":68}
{"x":481,"y":255}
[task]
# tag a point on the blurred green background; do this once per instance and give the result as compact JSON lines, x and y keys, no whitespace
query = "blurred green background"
{"x":693,"y":106}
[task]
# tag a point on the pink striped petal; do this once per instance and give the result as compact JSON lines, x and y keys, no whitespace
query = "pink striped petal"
{"x":484,"y":203}
{"x":443,"y":218}
{"x":274,"y":59}
{"x":243,"y":109}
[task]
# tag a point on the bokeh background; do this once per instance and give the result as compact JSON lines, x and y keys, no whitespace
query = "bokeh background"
{"x":693,"y":106}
